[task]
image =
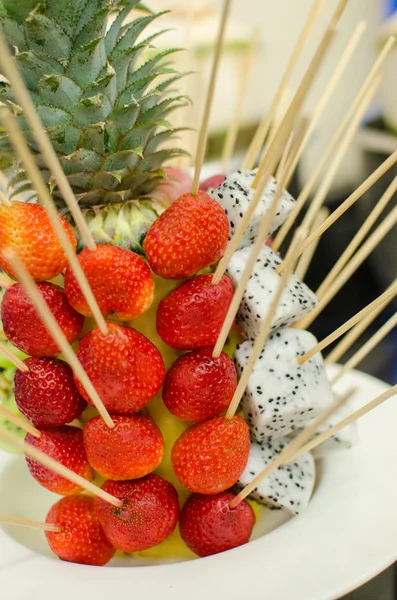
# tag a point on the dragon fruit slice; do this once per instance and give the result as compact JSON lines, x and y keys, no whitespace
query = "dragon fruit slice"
{"x":282,"y":395}
{"x":235,"y":195}
{"x":296,"y":301}
{"x":288,"y":487}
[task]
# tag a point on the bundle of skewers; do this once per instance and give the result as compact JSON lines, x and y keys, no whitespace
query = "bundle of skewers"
{"x":243,"y":381}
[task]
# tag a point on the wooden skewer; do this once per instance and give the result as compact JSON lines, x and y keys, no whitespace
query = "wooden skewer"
{"x":359,"y":237}
{"x":60,"y":469}
{"x":285,"y":156}
{"x":10,"y":70}
{"x":307,"y":257}
{"x":329,"y":90}
{"x":367,"y":348}
{"x":202,"y":140}
{"x":4,"y":283}
{"x":28,"y":523}
{"x":284,"y":456}
{"x":323,"y":437}
{"x":256,"y":248}
{"x":26,"y":157}
{"x":19,"y":422}
{"x":307,"y":190}
{"x":301,"y":129}
{"x":390,"y":293}
{"x":352,"y":199}
{"x":273,"y":157}
{"x":265,"y":125}
{"x":4,"y":200}
{"x":234,"y":126}
{"x":17,"y":362}
{"x":264,"y":331}
{"x":372,"y":242}
{"x":52,"y":325}
{"x":346,"y":343}
{"x":330,"y":175}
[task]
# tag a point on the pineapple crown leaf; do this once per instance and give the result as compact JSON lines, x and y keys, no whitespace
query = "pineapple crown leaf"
{"x":129,"y":33}
{"x":114,"y":30}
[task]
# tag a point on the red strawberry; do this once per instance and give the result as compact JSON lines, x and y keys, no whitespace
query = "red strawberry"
{"x":23,"y":326}
{"x":120,"y":279}
{"x":47,"y":395}
{"x":81,"y":539}
{"x":126,"y":369}
{"x":192,"y":316}
{"x":190,"y":235}
{"x":148,"y":516}
{"x":65,"y":445}
{"x":198,"y":386}
{"x":212,"y":182}
{"x":27,"y":230}
{"x":208,"y":525}
{"x":134,"y":448}
{"x":209,"y":457}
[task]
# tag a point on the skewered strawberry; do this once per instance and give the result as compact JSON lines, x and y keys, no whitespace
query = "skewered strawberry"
{"x":23,"y":326}
{"x":126,"y":369}
{"x":192,"y":316}
{"x":120,"y":280}
{"x":208,"y":525}
{"x":209,"y":457}
{"x":198,"y":386}
{"x":190,"y":235}
{"x":81,"y":539}
{"x":132,"y":449}
{"x":47,"y":394}
{"x":149,"y":514}
{"x":65,"y":445}
{"x":27,"y":230}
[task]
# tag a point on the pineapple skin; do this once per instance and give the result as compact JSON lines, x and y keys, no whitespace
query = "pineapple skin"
{"x":104,"y":108}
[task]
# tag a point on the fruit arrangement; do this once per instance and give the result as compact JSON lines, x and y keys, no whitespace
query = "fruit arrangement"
{"x":139,"y":398}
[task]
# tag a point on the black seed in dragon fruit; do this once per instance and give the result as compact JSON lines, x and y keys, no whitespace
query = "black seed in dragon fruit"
{"x":235,"y":195}
{"x":281,"y":395}
{"x":289,"y":487}
{"x":296,"y":301}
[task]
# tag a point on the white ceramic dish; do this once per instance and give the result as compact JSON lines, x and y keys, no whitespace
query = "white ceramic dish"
{"x":346,"y":536}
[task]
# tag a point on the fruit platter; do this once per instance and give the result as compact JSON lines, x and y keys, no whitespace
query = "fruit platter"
{"x":163,"y":403}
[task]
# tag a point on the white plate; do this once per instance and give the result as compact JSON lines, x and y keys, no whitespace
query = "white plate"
{"x":346,"y":536}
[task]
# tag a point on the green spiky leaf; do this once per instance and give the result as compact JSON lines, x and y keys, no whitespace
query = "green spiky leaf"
{"x":45,"y":38}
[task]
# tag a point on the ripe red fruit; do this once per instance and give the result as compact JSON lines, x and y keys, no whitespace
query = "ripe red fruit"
{"x":47,"y":394}
{"x":134,"y":448}
{"x":81,"y":539}
{"x":125,"y":367}
{"x":212,"y":182}
{"x":27,"y":230}
{"x":66,"y":446}
{"x":209,"y":457}
{"x":25,"y":329}
{"x":208,"y":525}
{"x":121,"y":281}
{"x":192,"y":315}
{"x":190,"y":235}
{"x":198,"y":386}
{"x":148,"y":516}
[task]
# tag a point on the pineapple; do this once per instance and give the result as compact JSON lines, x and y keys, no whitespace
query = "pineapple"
{"x":103,"y":106}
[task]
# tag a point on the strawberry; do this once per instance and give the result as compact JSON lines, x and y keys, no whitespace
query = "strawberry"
{"x":148,"y":516}
{"x":65,"y":445}
{"x":192,"y":315}
{"x":134,"y":448}
{"x":120,"y":280}
{"x":81,"y":539}
{"x":47,"y":395}
{"x":126,"y":369}
{"x":208,"y":525}
{"x":23,"y":326}
{"x":209,"y":457}
{"x":212,"y":182}
{"x":198,"y":386}
{"x":190,"y":235}
{"x":27,"y":230}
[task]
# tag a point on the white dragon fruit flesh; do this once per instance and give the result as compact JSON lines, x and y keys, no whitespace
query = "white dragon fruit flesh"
{"x":235,"y":195}
{"x":289,"y":487}
{"x":282,"y":395}
{"x":296,"y":300}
